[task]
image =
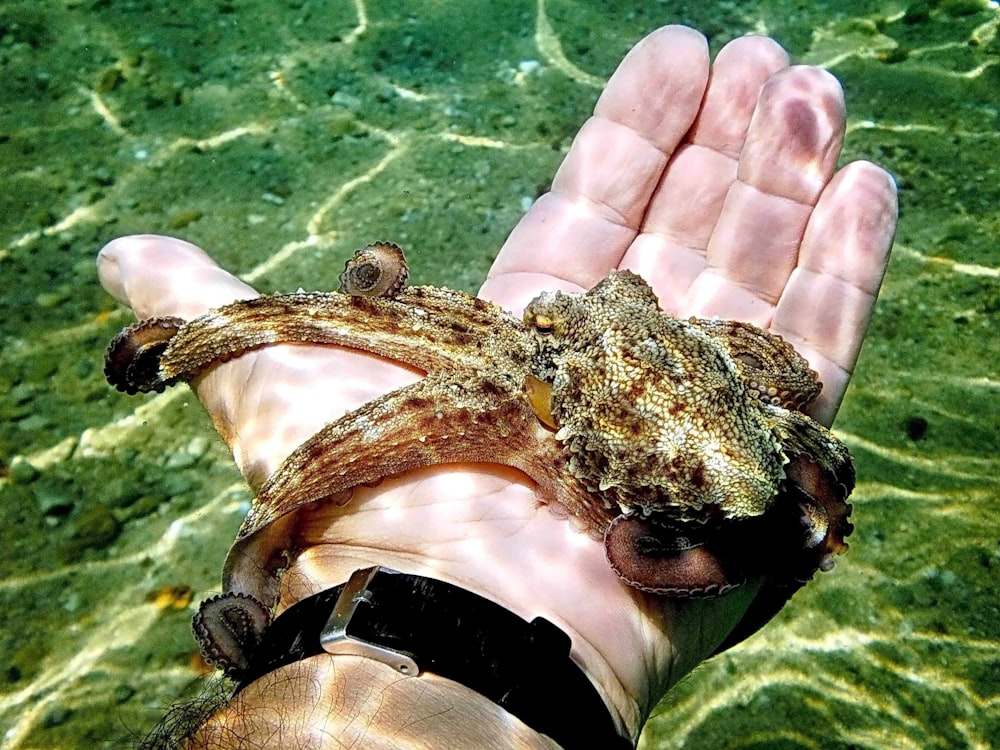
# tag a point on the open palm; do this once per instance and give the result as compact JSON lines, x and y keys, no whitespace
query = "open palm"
{"x":716,"y":184}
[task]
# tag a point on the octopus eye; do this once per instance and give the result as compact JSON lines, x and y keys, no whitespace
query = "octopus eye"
{"x":543,"y":324}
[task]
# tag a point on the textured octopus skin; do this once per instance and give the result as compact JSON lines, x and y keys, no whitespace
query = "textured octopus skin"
{"x":680,"y":443}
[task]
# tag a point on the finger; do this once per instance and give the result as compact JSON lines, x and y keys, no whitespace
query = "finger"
{"x":790,"y":154}
{"x":670,"y":251}
{"x":161,"y":276}
{"x":580,"y":230}
{"x":828,"y":302}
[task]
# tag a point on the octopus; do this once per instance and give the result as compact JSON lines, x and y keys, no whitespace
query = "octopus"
{"x":681,"y":444}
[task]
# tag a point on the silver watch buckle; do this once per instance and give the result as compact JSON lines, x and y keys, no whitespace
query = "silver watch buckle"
{"x":336,"y":640}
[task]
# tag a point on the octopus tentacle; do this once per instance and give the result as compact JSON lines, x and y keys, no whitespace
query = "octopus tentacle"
{"x":771,"y":367}
{"x":800,"y":535}
{"x":132,"y":361}
{"x":825,"y":514}
{"x":376,"y":270}
{"x":658,"y":560}
{"x":440,"y":419}
{"x":414,"y":327}
{"x":819,"y":477}
{"x":228,"y":629}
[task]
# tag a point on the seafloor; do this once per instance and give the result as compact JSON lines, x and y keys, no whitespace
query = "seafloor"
{"x":281,"y":136}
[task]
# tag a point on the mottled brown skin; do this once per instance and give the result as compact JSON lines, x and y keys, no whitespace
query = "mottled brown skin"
{"x":683,"y":425}
{"x":651,"y":409}
{"x":671,"y":441}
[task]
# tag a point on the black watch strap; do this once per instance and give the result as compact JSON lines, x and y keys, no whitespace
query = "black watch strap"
{"x":420,"y":624}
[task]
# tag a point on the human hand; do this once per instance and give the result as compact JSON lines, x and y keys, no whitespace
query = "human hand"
{"x":786,"y":245}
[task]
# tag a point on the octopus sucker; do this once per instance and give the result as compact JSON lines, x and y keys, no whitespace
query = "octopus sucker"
{"x":228,"y":629}
{"x":132,"y":361}
{"x":679,"y":443}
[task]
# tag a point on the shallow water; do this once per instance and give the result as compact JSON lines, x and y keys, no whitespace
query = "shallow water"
{"x":282,"y":137}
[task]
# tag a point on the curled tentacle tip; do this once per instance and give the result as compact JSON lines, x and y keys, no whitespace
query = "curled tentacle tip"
{"x":132,"y":362}
{"x":228,"y":629}
{"x":377,"y":270}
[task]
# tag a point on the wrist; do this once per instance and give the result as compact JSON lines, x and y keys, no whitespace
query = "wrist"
{"x":581,"y":596}
{"x":423,"y":625}
{"x":363,"y":703}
